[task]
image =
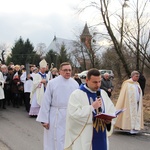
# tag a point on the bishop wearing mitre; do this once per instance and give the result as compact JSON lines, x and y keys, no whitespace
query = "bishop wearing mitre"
{"x":40,"y":80}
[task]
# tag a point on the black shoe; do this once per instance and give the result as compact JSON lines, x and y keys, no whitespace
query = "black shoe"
{"x":4,"y":107}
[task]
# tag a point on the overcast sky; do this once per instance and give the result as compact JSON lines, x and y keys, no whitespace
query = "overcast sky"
{"x":38,"y":20}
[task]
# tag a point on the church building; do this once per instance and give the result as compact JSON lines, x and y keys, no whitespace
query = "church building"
{"x":75,"y":50}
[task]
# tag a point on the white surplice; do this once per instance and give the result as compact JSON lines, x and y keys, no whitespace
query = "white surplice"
{"x":27,"y":82}
{"x":53,"y":111}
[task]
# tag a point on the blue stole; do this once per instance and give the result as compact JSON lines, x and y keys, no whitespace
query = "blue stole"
{"x":99,"y":140}
{"x":43,"y":77}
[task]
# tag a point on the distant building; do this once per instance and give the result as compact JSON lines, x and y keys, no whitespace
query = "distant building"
{"x":86,"y":37}
{"x":69,"y":46}
{"x":75,"y":50}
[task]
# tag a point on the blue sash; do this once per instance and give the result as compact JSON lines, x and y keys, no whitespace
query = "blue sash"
{"x":43,"y":77}
{"x":99,"y":141}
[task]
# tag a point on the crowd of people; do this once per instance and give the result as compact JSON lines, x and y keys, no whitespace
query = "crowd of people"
{"x":11,"y":92}
{"x":20,"y":85}
{"x":67,"y":108}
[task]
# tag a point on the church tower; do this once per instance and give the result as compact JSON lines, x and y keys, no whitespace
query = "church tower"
{"x":86,"y":37}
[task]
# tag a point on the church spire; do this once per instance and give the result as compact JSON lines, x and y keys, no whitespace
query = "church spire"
{"x":86,"y":31}
{"x":86,"y":37}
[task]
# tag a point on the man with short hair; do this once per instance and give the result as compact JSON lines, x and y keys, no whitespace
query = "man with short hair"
{"x":52,"y":113}
{"x":130,"y":97}
{"x":106,"y":84}
{"x":76,"y":77}
{"x":83,"y":130}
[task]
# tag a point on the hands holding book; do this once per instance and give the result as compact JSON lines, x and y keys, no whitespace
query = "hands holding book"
{"x":108,"y":117}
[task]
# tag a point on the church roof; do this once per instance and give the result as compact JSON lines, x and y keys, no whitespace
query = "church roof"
{"x":86,"y":31}
{"x":56,"y":44}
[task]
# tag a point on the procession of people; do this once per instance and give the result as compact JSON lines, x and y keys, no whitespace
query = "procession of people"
{"x":67,"y":108}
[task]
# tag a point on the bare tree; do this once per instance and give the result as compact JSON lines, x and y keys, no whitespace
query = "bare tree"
{"x":120,"y":34}
{"x":79,"y":54}
{"x":3,"y":52}
{"x":87,"y":52}
{"x":137,"y":34}
{"x":103,"y":8}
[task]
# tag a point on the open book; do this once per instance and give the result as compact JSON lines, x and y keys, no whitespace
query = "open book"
{"x":109,"y":117}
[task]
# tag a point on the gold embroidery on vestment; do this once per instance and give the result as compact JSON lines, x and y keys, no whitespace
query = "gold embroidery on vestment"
{"x":99,"y":124}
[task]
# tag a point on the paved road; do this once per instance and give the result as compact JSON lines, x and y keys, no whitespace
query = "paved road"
{"x":20,"y":132}
{"x":125,"y":141}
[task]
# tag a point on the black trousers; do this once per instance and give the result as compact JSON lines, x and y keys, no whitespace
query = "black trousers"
{"x":27,"y":101}
{"x":2,"y":103}
{"x":16,"y":98}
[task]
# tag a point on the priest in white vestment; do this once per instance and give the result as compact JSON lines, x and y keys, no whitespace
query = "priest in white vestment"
{"x":40,"y":80}
{"x":83,"y":130}
{"x":130,"y":97}
{"x":52,"y":113}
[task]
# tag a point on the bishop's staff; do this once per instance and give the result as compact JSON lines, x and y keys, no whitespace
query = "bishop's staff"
{"x":52,"y":66}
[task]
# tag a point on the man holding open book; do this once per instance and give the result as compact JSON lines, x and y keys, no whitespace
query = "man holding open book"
{"x":85,"y":131}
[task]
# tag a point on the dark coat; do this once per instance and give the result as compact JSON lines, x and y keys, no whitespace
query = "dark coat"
{"x":142,"y":82}
{"x":105,"y":85}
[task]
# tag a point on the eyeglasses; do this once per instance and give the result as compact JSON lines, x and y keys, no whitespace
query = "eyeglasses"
{"x":67,"y":70}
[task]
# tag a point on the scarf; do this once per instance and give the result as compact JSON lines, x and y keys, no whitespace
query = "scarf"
{"x":43,"y":77}
{"x":92,"y":95}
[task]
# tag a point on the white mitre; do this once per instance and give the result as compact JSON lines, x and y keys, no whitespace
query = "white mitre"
{"x":43,"y":63}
